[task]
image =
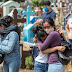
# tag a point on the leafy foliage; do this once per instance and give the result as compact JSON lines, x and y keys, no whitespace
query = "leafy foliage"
{"x":36,"y":3}
{"x":29,"y":62}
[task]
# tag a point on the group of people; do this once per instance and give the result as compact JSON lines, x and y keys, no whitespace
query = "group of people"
{"x":48,"y":40}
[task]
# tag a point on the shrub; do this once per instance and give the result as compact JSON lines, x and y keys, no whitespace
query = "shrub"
{"x":36,"y":3}
{"x":29,"y":62}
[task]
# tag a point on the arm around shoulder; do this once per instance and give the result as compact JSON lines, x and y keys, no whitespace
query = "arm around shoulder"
{"x":50,"y":38}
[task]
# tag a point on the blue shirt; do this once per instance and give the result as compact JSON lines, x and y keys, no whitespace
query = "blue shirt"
{"x":51,"y":14}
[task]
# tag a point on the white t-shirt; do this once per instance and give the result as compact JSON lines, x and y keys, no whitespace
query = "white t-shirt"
{"x":43,"y":58}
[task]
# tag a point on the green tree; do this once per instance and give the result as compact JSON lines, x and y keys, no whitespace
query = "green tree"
{"x":36,"y":3}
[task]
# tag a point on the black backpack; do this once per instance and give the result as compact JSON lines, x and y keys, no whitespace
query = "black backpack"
{"x":65,"y":56}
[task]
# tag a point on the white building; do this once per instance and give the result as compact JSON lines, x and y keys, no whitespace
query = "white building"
{"x":9,"y":6}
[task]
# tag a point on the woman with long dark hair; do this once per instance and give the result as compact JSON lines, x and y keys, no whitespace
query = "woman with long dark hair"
{"x":9,"y":46}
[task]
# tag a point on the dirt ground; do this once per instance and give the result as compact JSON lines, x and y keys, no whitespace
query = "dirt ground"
{"x":68,"y":69}
{"x":24,"y":70}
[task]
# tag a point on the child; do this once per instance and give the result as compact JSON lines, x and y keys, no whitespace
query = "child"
{"x":41,"y":60}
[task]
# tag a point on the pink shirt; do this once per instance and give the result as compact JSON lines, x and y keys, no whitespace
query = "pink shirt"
{"x":70,"y":28}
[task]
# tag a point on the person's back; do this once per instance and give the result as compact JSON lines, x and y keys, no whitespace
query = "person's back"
{"x":12,"y":41}
{"x":11,"y":28}
{"x":53,"y":57}
{"x":9,"y":45}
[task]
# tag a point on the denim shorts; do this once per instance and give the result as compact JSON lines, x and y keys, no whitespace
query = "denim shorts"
{"x":40,"y":67}
{"x":56,"y":67}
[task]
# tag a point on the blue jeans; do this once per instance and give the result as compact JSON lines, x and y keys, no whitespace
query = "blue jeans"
{"x":14,"y":66}
{"x":56,"y":67}
{"x":40,"y":67}
{"x":70,"y":42}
